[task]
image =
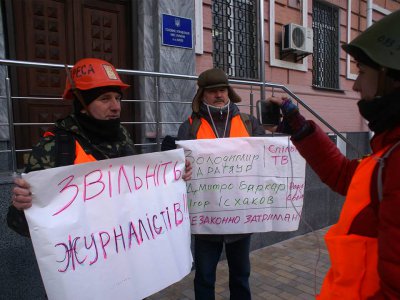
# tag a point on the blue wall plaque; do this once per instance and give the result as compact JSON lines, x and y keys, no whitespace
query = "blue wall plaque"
{"x":177,"y":31}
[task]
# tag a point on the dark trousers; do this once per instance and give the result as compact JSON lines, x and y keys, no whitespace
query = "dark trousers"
{"x":206,"y":257}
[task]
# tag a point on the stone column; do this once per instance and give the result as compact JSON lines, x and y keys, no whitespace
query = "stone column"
{"x":5,"y":158}
{"x":153,"y":56}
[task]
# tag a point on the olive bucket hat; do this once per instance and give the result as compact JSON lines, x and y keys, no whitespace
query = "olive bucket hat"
{"x":210,"y":79}
{"x":379,"y":44}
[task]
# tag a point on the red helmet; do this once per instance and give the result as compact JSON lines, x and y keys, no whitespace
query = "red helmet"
{"x":89,"y":73}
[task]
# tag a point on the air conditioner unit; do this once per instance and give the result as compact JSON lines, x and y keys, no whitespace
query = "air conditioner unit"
{"x":297,"y":39}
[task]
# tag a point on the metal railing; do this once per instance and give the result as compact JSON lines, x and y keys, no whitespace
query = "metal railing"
{"x":158,"y":123}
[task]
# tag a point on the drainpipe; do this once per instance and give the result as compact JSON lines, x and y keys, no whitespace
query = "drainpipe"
{"x":262,"y":48}
{"x":369,"y":12}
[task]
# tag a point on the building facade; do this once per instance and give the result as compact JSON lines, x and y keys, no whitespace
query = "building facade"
{"x":262,"y":45}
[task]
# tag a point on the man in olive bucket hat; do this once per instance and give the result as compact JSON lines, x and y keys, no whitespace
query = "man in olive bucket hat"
{"x":215,"y":115}
{"x":212,"y":79}
{"x":364,"y":245}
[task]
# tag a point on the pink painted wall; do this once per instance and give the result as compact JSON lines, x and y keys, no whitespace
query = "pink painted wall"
{"x":337,"y":108}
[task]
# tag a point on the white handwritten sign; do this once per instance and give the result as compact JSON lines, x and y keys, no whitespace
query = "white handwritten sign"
{"x":243,"y":185}
{"x":112,"y":229}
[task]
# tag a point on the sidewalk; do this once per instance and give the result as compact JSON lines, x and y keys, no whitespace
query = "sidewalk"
{"x":281,"y":271}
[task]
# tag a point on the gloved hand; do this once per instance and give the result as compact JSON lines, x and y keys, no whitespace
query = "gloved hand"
{"x":293,"y":123}
{"x":168,"y":143}
{"x":288,"y":107}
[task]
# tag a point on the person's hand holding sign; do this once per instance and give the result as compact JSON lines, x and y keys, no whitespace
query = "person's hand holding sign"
{"x":21,"y":194}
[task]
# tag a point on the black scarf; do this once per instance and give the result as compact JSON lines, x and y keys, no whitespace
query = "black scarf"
{"x":99,"y":131}
{"x":382,"y":113}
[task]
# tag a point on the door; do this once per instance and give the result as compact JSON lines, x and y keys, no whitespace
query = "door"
{"x":61,"y":32}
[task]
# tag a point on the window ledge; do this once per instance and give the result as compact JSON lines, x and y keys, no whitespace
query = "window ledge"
{"x":328,"y":89}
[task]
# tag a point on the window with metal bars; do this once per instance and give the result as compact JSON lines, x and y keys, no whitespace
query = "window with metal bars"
{"x":234,"y":35}
{"x":326,"y":45}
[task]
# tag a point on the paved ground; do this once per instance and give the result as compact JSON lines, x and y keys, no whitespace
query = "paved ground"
{"x":286,"y":270}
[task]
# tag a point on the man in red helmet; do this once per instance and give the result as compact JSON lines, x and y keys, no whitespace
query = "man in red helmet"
{"x":92,"y":132}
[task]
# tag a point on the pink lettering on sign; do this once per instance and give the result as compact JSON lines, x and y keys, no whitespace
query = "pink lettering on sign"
{"x":75,"y":191}
{"x":203,"y":220}
{"x":270,"y":217}
{"x":71,"y":254}
{"x":296,"y":192}
{"x":280,"y":154}
{"x":97,"y":247}
{"x":102,"y":184}
{"x":92,"y":182}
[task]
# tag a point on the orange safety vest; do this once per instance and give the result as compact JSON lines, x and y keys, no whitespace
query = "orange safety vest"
{"x":80,"y":155}
{"x":238,"y":129}
{"x":354,"y":259}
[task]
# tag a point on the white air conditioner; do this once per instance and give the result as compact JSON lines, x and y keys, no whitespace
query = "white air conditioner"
{"x":297,"y":39}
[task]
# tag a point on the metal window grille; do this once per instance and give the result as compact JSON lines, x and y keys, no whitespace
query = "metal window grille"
{"x":326,"y":45}
{"x":235,"y":37}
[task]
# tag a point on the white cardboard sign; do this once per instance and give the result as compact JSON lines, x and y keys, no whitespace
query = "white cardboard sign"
{"x":243,"y":185}
{"x":112,"y":229}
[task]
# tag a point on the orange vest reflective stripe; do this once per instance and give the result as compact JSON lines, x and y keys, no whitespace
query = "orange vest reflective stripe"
{"x":354,"y":259}
{"x":81,"y":156}
{"x":238,"y":129}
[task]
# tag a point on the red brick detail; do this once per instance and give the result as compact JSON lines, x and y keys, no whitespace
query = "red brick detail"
{"x":207,"y":41}
{"x":284,"y":15}
{"x":207,"y":17}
